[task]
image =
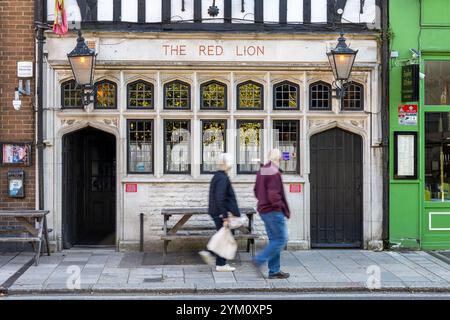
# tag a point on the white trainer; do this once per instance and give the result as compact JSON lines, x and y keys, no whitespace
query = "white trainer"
{"x":207,"y":257}
{"x":225,"y":268}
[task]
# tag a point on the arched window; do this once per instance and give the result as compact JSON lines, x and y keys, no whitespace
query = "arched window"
{"x":177,"y":95}
{"x":213,"y":96}
{"x":286,"y":96}
{"x":106,"y":95}
{"x":140,"y":95}
{"x":71,"y":95}
{"x":250,"y":96}
{"x":320,"y":96}
{"x":354,"y":97}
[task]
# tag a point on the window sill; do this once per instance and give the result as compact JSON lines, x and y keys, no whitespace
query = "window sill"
{"x":204,"y":178}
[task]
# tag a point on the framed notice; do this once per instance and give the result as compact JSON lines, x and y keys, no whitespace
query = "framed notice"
{"x":16,"y":183}
{"x":405,"y":155}
{"x":16,"y":154}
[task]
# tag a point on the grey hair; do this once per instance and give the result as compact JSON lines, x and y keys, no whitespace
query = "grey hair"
{"x":275,"y":155}
{"x":225,"y":161}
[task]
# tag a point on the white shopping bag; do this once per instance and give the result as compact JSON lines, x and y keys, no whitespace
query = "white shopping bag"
{"x":237,"y":222}
{"x":223,"y":244}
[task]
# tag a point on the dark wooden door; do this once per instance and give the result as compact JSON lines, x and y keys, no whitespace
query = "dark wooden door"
{"x":336,"y":189}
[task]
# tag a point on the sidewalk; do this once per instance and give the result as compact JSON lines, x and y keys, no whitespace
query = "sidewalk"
{"x":105,"y":271}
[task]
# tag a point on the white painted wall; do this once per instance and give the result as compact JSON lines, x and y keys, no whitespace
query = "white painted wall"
{"x":105,"y":10}
{"x":178,"y":15}
{"x":352,"y":10}
{"x":207,"y":18}
{"x":248,"y":15}
{"x":153,"y":10}
{"x":271,"y":11}
{"x":294,"y":11}
{"x":319,"y":11}
{"x":130,"y":10}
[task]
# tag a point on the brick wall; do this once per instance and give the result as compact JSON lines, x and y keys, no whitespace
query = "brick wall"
{"x":16,"y":44}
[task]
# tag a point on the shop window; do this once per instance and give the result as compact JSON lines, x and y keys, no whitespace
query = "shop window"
{"x":213,"y":143}
{"x":106,"y":95}
{"x":177,"y":146}
{"x":177,"y":95}
{"x":213,"y":96}
{"x":437,"y":156}
{"x":354,"y":97}
{"x":286,"y":96}
{"x":71,"y":95}
{"x":320,"y":96}
{"x":437,"y":83}
{"x":250,"y":96}
{"x":286,"y":139}
{"x":140,"y":95}
{"x":249,"y":146}
{"x":140,"y":146}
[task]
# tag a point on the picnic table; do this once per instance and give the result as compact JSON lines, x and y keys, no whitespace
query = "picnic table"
{"x":181,"y":231}
{"x":35,"y":233}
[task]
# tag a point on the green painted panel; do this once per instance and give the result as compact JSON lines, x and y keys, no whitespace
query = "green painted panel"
{"x":432,"y":40}
{"x":435,"y":12}
{"x":439,"y":220}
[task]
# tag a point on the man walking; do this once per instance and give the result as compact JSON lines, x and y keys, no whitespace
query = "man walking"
{"x":273,"y":209}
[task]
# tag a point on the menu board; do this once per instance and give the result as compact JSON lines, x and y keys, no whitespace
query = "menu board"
{"x":405,"y":165}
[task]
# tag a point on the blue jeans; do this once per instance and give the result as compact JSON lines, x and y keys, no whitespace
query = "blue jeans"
{"x":275,"y":223}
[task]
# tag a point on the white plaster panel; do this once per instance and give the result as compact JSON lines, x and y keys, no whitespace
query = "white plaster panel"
{"x":130,"y":10}
{"x":319,"y":11}
{"x":248,"y":15}
{"x":352,"y":12}
{"x":153,"y":10}
{"x":178,"y":14}
{"x":294,"y":11}
{"x":272,"y":11}
{"x":105,"y":10}
{"x":207,"y":18}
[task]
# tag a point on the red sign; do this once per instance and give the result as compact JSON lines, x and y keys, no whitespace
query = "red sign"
{"x":295,"y":188}
{"x":407,"y":114}
{"x":131,"y":187}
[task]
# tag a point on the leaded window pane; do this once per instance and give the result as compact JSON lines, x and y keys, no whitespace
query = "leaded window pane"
{"x":213,"y":95}
{"x":250,"y":96}
{"x":213,"y":143}
{"x":286,"y":139}
{"x":353,"y":99}
{"x":71,"y":95}
{"x":177,"y":95}
{"x":140,"y":95}
{"x":249,"y":145}
{"x":177,"y":146}
{"x":140,"y":146}
{"x":106,"y":95}
{"x":286,"y":96}
{"x":320,"y":96}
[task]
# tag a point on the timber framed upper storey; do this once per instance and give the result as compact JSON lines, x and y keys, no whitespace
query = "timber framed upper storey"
{"x":269,"y":16}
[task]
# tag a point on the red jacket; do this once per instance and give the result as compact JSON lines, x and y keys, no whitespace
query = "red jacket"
{"x":269,"y":190}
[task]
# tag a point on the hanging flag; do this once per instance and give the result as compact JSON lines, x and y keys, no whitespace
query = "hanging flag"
{"x":60,"y":25}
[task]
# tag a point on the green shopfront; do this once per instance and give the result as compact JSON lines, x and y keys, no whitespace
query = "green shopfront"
{"x":420,"y":124}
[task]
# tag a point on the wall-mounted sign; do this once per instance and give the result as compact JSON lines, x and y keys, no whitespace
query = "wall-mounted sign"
{"x":405,"y":155}
{"x":295,"y":188}
{"x":16,"y":154}
{"x":407,"y":114}
{"x":16,"y":183}
{"x":410,"y":83}
{"x":25,"y":69}
{"x":131,"y":187}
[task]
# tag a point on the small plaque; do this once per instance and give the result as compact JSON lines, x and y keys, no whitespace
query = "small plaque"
{"x":25,"y":69}
{"x":16,"y":183}
{"x":295,"y":188}
{"x":131,"y":187}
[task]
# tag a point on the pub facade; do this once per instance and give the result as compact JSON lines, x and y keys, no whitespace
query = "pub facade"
{"x":178,"y":82}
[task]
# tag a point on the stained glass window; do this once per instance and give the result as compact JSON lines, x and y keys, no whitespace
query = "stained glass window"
{"x":140,"y":146}
{"x":320,"y":96}
{"x":177,"y":95}
{"x":106,"y":95}
{"x":140,"y":95}
{"x":250,"y":96}
{"x":177,"y":146}
{"x":213,"y":143}
{"x":286,"y":96}
{"x":354,"y":97}
{"x":249,"y":146}
{"x":70,"y":95}
{"x":213,"y":95}
{"x":286,"y":139}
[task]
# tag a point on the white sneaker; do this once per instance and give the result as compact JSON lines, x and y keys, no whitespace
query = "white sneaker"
{"x":225,"y":268}
{"x":207,"y":257}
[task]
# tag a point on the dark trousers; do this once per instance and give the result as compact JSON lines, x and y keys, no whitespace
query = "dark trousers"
{"x":219,"y":260}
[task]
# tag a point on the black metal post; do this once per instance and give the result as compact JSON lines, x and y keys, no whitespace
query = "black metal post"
{"x":40,"y":10}
{"x":141,"y":241}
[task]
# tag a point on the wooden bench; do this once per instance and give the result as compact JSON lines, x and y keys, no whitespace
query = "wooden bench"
{"x":36,"y":233}
{"x":181,"y":231}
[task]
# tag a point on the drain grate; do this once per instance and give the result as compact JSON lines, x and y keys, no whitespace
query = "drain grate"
{"x":155,"y":279}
